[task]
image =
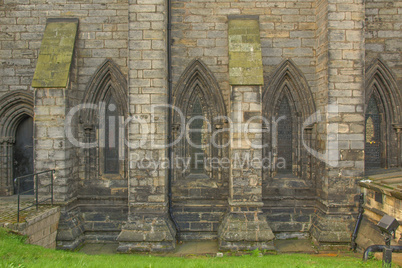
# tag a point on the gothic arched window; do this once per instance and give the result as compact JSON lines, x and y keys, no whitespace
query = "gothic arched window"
{"x":111,"y":150}
{"x":383,"y":118}
{"x":200,"y":102}
{"x":105,"y":159}
{"x":196,"y":133}
{"x":284,"y":136}
{"x":373,"y":138}
{"x":287,"y":104}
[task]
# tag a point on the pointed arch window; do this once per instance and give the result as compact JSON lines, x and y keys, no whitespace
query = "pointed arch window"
{"x":198,"y":96}
{"x":197,"y":137}
{"x":287,"y":103}
{"x":382,"y":118}
{"x":373,"y":139}
{"x":104,"y":129}
{"x":108,"y":157}
{"x":112,"y":140}
{"x":284,"y":135}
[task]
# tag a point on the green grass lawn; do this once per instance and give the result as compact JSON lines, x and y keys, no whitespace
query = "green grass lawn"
{"x":15,"y":253}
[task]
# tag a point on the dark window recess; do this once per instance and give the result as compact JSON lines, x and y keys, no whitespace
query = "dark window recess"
{"x":373,"y":139}
{"x":111,"y":150}
{"x":196,"y":153}
{"x":378,"y":197}
{"x":23,"y":155}
{"x":284,"y":134}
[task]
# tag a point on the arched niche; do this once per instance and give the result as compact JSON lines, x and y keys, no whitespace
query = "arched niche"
{"x":16,"y":109}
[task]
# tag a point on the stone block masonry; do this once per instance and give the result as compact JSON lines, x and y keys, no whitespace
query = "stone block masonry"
{"x":41,"y":229}
{"x":245,"y":61}
{"x":287,"y":31}
{"x":148,"y":226}
{"x":49,"y":121}
{"x":382,"y":33}
{"x":345,"y":71}
{"x":235,"y":58}
{"x":102,"y":33}
{"x":245,"y":227}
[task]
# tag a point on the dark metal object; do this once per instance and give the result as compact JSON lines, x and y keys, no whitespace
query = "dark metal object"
{"x":353,"y":244}
{"x":379,"y":248}
{"x":387,"y":252}
{"x":388,"y":224}
{"x":36,"y":202}
{"x":169,"y":75}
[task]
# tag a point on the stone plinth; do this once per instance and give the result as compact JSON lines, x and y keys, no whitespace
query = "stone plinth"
{"x":245,"y":228}
{"x":147,"y":233}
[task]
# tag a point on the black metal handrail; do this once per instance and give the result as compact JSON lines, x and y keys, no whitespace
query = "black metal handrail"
{"x":36,"y":190}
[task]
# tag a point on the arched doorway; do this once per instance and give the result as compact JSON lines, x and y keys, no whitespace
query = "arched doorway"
{"x":16,"y":139}
{"x":23,"y":156}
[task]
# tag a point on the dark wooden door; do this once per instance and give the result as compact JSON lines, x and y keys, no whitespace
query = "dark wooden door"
{"x":23,"y":156}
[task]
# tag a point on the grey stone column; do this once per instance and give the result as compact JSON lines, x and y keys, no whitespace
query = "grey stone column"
{"x":6,"y":165}
{"x":54,"y":87}
{"x":148,"y":226}
{"x":341,"y":133}
{"x":245,"y":227}
{"x":53,"y":150}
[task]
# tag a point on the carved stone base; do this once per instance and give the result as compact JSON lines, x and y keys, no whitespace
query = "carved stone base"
{"x":147,"y":233}
{"x":70,"y":233}
{"x":329,"y":230}
{"x":245,"y":230}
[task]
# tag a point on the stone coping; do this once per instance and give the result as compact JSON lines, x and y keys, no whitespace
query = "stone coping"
{"x":30,"y":220}
{"x":386,"y":183}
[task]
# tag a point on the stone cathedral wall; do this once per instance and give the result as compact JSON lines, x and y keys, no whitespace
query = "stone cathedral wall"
{"x":324,"y":46}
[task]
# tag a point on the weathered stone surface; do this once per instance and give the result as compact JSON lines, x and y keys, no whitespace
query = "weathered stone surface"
{"x":70,"y":233}
{"x":56,"y":54}
{"x":245,"y":60}
{"x":245,"y":231}
{"x":327,"y":228}
{"x":312,"y":52}
{"x":41,"y":228}
{"x":147,"y":233}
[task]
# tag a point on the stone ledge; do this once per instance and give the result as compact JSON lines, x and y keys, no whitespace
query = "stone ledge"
{"x":147,"y":233}
{"x":332,"y":229}
{"x":245,"y":231}
{"x":70,"y":231}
